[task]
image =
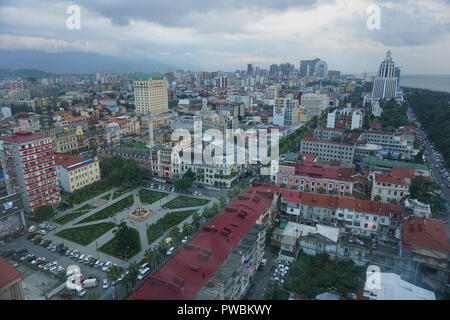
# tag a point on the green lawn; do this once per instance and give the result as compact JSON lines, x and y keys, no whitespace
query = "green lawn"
{"x":136,"y":144}
{"x":120,"y":192}
{"x":88,"y":193}
{"x":157,"y":229}
{"x":185,"y":202}
{"x":85,"y":235}
{"x":72,"y":216}
{"x":107,"y":197}
{"x":111,"y":248}
{"x":109,"y":211}
{"x":150,"y":196}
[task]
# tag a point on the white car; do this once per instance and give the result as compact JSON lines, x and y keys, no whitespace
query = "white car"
{"x":106,"y":266}
{"x":43,"y":232}
{"x":105,"y":284}
{"x":32,"y":229}
{"x":185,"y":239}
{"x":170,"y":251}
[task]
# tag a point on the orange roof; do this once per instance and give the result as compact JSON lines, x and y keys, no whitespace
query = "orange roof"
{"x":424,"y":233}
{"x":119,"y":121}
{"x":385,"y":178}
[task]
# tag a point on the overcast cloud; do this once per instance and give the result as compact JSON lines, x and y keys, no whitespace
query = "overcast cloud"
{"x":227,"y":35}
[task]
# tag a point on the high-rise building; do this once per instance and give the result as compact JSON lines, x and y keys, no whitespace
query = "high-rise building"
{"x":314,"y":103}
{"x":386,"y":83}
{"x":313,"y":68}
{"x":151,"y":94}
{"x":250,"y":69}
{"x":29,"y":166}
{"x":282,"y":111}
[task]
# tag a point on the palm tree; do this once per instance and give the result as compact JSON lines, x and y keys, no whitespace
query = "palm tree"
{"x":127,"y":279}
{"x":223,"y":202}
{"x":113,"y":274}
{"x":133,"y":270}
{"x":186,"y":229}
{"x":149,"y":255}
{"x":196,"y":220}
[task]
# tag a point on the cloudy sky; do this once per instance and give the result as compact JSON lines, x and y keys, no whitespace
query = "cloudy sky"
{"x":228,"y":34}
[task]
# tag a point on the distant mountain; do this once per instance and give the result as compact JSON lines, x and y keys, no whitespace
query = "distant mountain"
{"x":75,"y":62}
{"x":24,"y":73}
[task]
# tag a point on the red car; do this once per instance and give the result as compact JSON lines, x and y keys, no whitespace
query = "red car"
{"x":65,"y":294}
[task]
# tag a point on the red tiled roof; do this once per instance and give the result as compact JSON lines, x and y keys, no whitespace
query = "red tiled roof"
{"x":65,"y":160}
{"x":338,"y":201}
{"x":183,"y":264}
{"x":385,"y":178}
{"x":424,"y":233}
{"x":7,"y":273}
{"x":23,"y":136}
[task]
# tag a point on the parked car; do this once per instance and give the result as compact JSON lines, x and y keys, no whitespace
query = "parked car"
{"x":14,"y":264}
{"x":106,"y":266}
{"x":43,"y":232}
{"x":65,"y":294}
{"x":32,"y":229}
{"x":170,"y":251}
{"x":105,"y":284}
{"x":143,"y":273}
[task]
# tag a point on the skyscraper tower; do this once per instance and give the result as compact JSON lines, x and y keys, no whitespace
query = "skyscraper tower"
{"x":385,"y":85}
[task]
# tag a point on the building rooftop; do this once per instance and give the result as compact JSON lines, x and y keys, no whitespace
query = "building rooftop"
{"x":424,"y":233}
{"x":389,"y":286}
{"x":386,"y":178}
{"x":394,"y":164}
{"x":193,"y":267}
{"x":7,"y":273}
{"x":71,"y":162}
{"x":23,"y":136}
{"x":146,"y":77}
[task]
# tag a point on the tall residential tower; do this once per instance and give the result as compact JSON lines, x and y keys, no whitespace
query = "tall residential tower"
{"x":151,"y":94}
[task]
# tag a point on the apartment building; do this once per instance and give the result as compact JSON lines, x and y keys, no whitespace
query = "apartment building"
{"x":314,"y":177}
{"x":282,"y":111}
{"x":128,"y":125}
{"x":236,"y":109}
{"x":29,"y":165}
{"x":75,"y":173}
{"x":314,"y":103}
{"x":328,"y":150}
{"x":64,"y":138}
{"x":390,"y":142}
{"x":352,"y":216}
{"x":221,"y":261}
{"x":388,"y":188}
{"x":424,"y":242}
{"x":151,"y":94}
{"x":345,"y":118}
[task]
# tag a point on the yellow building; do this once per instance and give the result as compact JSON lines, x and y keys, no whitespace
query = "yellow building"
{"x":299,"y":115}
{"x":75,"y":173}
{"x":151,"y":94}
